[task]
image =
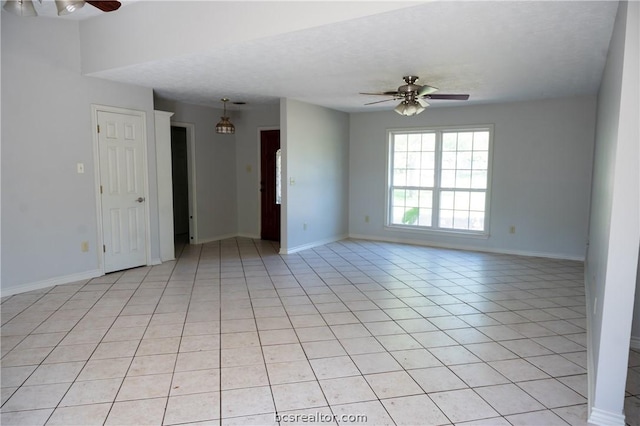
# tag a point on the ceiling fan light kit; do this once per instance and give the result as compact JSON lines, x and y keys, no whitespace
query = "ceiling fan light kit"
{"x":20,"y":7}
{"x":66,"y":7}
{"x":413,"y":96}
{"x":225,"y":126}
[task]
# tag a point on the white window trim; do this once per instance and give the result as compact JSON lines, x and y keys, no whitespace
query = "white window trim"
{"x":485,"y":234}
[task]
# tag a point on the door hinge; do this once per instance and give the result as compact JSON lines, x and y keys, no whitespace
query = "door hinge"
{"x":98,"y":128}
{"x":104,"y":248}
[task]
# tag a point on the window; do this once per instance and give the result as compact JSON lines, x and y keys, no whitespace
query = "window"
{"x":439,"y":179}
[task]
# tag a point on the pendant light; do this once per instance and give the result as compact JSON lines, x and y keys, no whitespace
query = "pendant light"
{"x":20,"y":7}
{"x":225,"y":126}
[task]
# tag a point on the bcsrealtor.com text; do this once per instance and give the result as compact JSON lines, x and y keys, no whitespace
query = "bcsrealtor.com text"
{"x":318,"y":417}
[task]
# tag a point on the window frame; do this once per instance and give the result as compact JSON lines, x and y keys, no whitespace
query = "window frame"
{"x":437,"y":189}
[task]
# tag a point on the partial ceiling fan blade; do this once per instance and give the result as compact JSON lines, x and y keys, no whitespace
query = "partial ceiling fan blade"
{"x":423,"y":103}
{"x":105,"y":5}
{"x":381,"y":93}
{"x":447,"y":97}
{"x":427,"y":90}
{"x":386,"y":100}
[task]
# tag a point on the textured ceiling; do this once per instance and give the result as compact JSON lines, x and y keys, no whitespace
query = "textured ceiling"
{"x":494,"y":51}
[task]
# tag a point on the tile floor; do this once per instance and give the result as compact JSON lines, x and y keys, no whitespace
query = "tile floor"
{"x":233,"y":333}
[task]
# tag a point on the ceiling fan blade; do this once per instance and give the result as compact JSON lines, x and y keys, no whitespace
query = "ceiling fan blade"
{"x":105,"y":5}
{"x":447,"y":97}
{"x":381,"y":93}
{"x":427,"y":90}
{"x":386,"y":100}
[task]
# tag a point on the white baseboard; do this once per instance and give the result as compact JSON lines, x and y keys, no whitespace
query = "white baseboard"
{"x":635,"y":342}
{"x":38,"y":285}
{"x":296,"y":249}
{"x":251,"y":236}
{"x":465,"y":247}
{"x":155,"y":261}
{"x":216,"y":238}
{"x":605,"y":418}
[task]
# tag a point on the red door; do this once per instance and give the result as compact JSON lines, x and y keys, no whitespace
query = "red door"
{"x":269,"y":187}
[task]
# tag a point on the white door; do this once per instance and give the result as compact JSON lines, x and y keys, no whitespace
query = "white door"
{"x":122,"y":185}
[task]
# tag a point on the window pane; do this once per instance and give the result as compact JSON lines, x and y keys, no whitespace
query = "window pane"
{"x":426,"y":178}
{"x":426,"y":199}
{"x":413,"y":177}
{"x":476,"y":221}
{"x":415,"y":142}
{"x":449,"y":141}
{"x":410,"y":216}
{"x":424,"y":218}
{"x":463,"y":160}
{"x":399,"y":177}
{"x":398,"y":214}
{"x":413,"y":160}
{"x":400,"y":142}
{"x":446,"y":200}
{"x":400,"y":160}
{"x":461,"y":200}
{"x":398,"y":197}
{"x":465,"y":141}
{"x":428,"y":160}
{"x":480,"y":160}
{"x":429,"y":142}
{"x":481,"y":141}
{"x":479,"y":179}
{"x":461,"y":220}
{"x":463,"y":179}
{"x":446,"y":219}
{"x":476,"y":201}
{"x":412,"y":199}
{"x":448,"y":160}
{"x":448,"y":179}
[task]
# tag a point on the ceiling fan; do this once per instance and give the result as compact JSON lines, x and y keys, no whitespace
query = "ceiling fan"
{"x":65,"y":7}
{"x":413,"y":96}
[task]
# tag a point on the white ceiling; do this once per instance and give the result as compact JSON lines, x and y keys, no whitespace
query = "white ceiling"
{"x":494,"y":51}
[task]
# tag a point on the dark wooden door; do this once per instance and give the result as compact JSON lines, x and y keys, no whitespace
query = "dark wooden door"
{"x":269,"y":188}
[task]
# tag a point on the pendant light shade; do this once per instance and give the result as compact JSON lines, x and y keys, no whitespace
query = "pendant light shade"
{"x":66,"y":7}
{"x":225,"y":126}
{"x":20,"y":7}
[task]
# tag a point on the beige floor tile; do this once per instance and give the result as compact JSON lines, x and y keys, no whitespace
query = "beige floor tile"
{"x":290,"y":372}
{"x":240,"y":356}
{"x":144,"y":387}
{"x":295,"y":396}
{"x":392,"y":385}
{"x":20,"y":357}
{"x":15,"y":376}
{"x":556,"y":365}
{"x":376,"y":363}
{"x":370,"y":413}
{"x":437,"y":379}
{"x":247,"y":376}
{"x":138,"y":412}
{"x":508,"y":399}
{"x":462,"y":405}
{"x":193,"y":408}
{"x":120,"y":349}
{"x":475,"y":375}
{"x":323,"y":349}
{"x":31,"y":417}
{"x":330,"y":368}
{"x":80,"y":415}
{"x":209,"y":342}
{"x":239,"y":340}
{"x":416,"y":358}
{"x":203,"y":360}
{"x":92,"y":392}
{"x":234,"y":402}
{"x":55,"y":373}
{"x":347,"y":390}
{"x":283,"y":353}
{"x":576,"y":415}
{"x":152,"y":364}
{"x":547,"y":418}
{"x":198,"y":381}
{"x":362,"y":345}
{"x":552,"y":393}
{"x":278,"y":337}
{"x":123,"y":334}
{"x":36,"y":397}
{"x":411,"y":410}
{"x":518,"y":370}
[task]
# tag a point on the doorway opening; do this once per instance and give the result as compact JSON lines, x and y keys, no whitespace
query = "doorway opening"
{"x":180,"y":186}
{"x":270,"y":185}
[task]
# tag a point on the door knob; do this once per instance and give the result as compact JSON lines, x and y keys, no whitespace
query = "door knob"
{"x":140,"y":199}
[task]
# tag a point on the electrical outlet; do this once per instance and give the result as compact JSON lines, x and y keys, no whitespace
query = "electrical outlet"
{"x":80,"y":167}
{"x":366,"y":219}
{"x":84,"y":246}
{"x":512,"y":229}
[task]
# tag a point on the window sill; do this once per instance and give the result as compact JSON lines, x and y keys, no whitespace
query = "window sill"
{"x":437,"y":232}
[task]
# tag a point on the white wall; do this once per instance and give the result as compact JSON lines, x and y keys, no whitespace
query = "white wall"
{"x":315,"y":146}
{"x":248,"y":124}
{"x":542,"y":157}
{"x":48,"y":209}
{"x":215,"y":170}
{"x":614,"y":229}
